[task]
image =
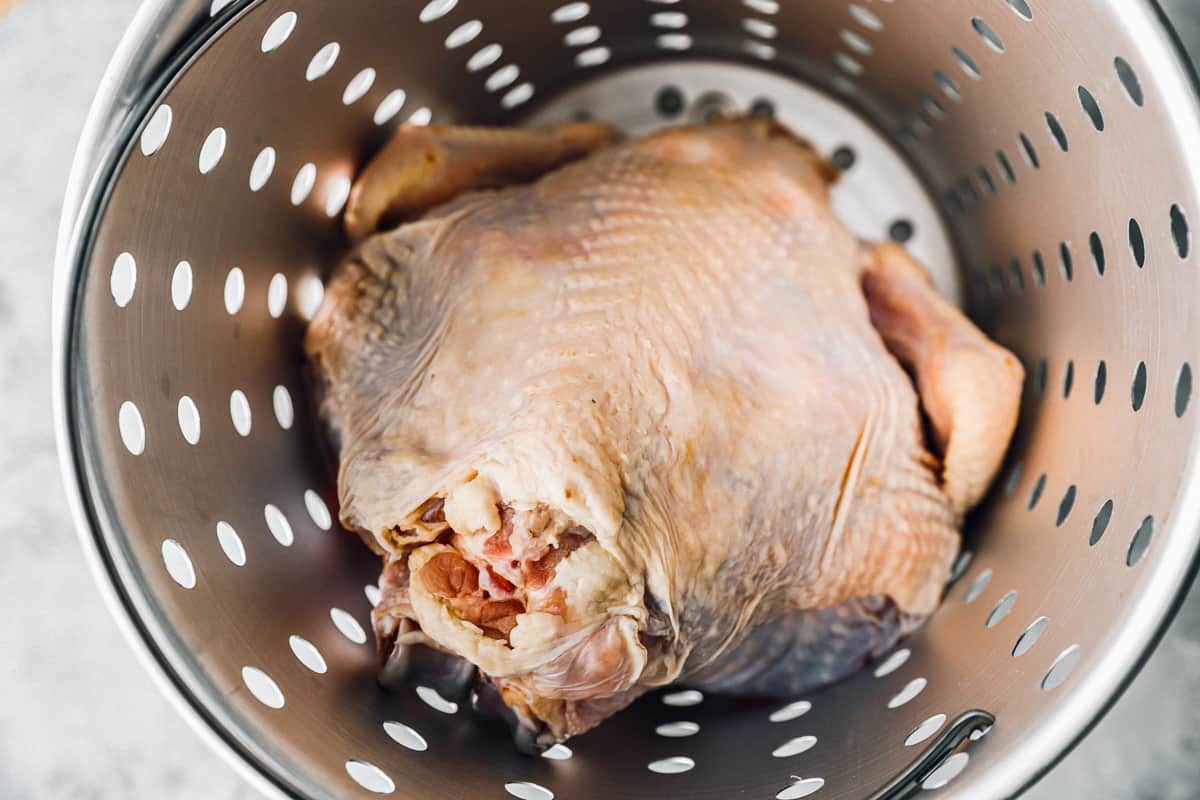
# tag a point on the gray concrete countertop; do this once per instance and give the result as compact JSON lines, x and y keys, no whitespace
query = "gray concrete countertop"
{"x":79,"y":718}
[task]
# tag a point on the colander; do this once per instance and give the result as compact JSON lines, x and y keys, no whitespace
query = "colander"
{"x":1040,"y":156}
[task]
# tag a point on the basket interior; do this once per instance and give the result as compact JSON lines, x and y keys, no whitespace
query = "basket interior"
{"x":1039,"y":159}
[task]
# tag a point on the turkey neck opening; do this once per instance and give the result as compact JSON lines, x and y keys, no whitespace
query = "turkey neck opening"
{"x":489,"y":579}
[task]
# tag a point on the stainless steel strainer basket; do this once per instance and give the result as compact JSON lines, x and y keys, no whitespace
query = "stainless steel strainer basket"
{"x":1041,"y":156}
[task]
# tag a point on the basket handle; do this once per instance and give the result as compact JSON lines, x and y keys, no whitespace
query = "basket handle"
{"x":956,"y":737}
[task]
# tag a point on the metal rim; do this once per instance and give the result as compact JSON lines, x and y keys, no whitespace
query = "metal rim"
{"x":142,"y":66}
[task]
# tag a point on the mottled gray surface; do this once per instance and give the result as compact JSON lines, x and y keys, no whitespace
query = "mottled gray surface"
{"x":78,"y":716}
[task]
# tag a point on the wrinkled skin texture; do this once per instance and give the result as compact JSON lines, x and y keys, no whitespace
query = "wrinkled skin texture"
{"x":650,"y":419}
